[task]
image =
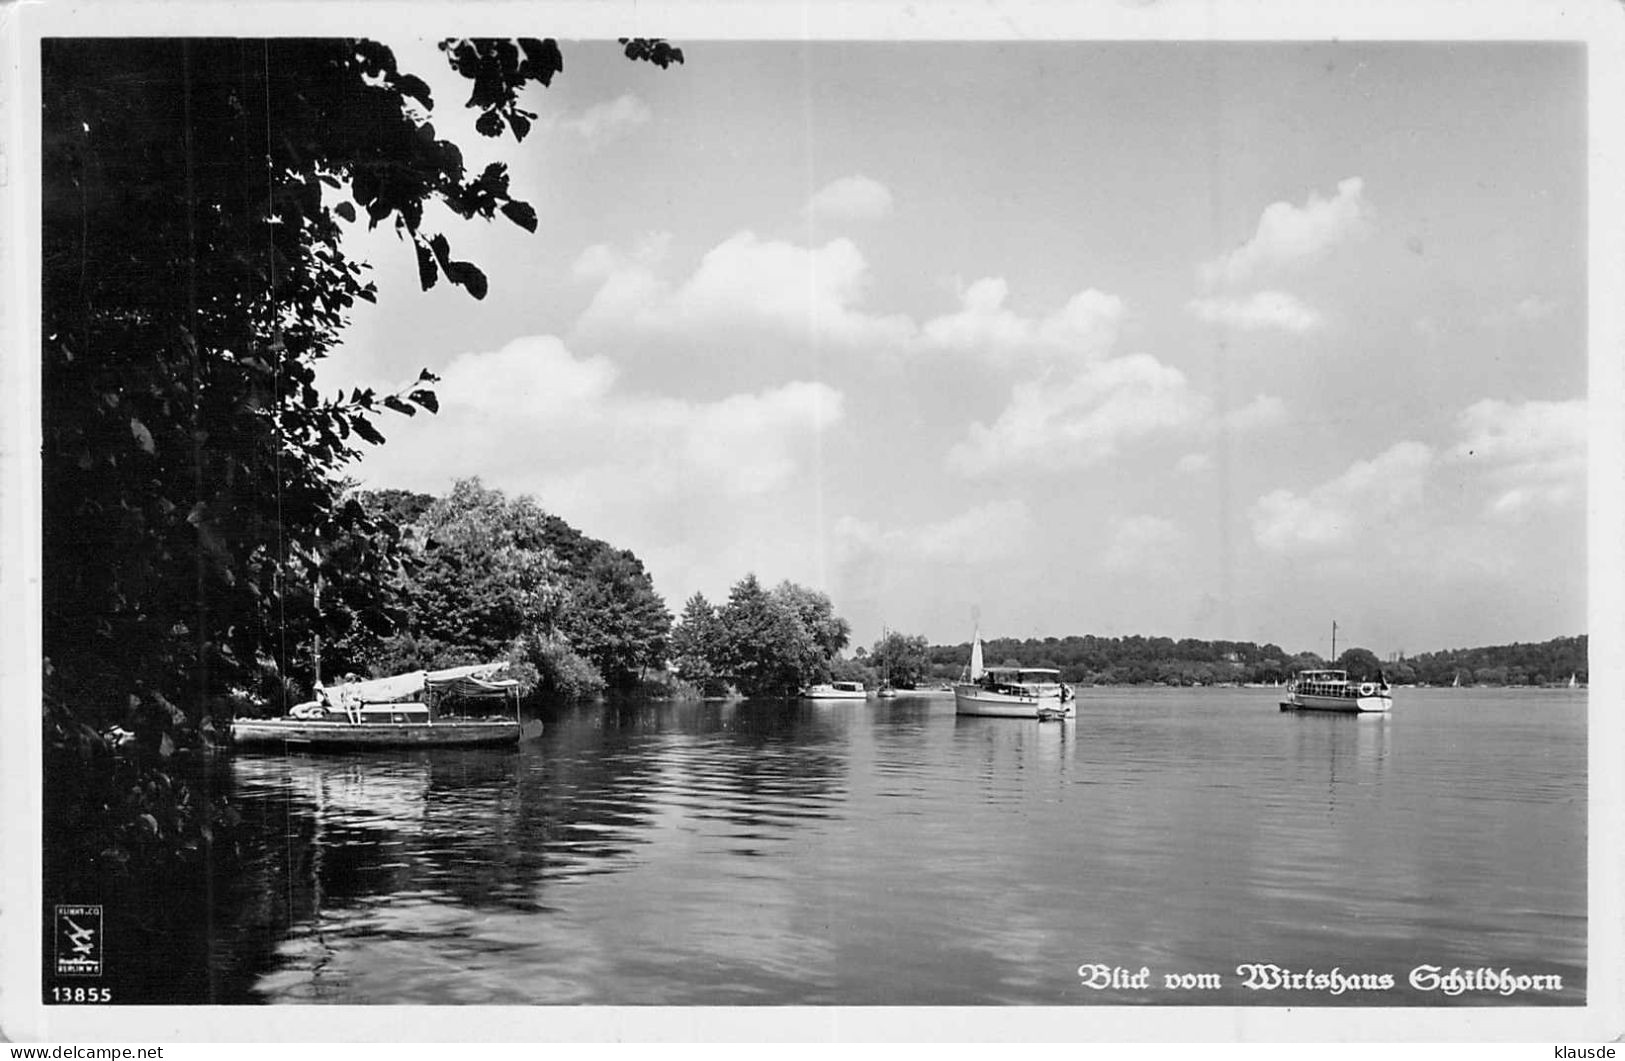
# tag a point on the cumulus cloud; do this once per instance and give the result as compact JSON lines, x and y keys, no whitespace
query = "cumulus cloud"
{"x":1511,"y":460}
{"x":1289,"y":235}
{"x":536,"y":417}
{"x":1141,"y":544}
{"x":1086,"y":327}
{"x":1336,"y":513}
{"x":1083,"y":420}
{"x":1532,"y":455}
{"x":607,"y":121}
{"x":603,"y":260}
{"x":854,"y":198}
{"x":1257,"y":311}
{"x":811,"y":292}
{"x":961,"y":539}
{"x":1264,"y":411}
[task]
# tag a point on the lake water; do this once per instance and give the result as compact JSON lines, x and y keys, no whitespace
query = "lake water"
{"x":891,"y":853}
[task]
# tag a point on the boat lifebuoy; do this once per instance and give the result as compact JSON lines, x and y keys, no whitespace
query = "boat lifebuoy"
{"x":1367,"y":689}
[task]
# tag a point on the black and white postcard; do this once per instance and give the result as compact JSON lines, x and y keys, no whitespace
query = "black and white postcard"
{"x":687,"y":521}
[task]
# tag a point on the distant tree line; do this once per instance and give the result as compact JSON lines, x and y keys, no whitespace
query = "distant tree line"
{"x":1537,"y":663}
{"x":1138,"y":660}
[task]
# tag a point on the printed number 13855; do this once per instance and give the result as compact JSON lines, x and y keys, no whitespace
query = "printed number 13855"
{"x":81,"y":994}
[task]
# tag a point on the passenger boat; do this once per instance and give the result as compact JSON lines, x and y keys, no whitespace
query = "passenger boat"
{"x":836,"y":691}
{"x":1011,"y":692}
{"x":1331,"y":690}
{"x":403,"y":710}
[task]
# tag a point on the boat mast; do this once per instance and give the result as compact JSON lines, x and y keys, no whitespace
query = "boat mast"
{"x":1333,"y":660}
{"x":316,"y":638}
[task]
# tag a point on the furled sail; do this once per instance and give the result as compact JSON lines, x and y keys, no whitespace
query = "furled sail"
{"x":377,"y":690}
{"x":480,"y":679}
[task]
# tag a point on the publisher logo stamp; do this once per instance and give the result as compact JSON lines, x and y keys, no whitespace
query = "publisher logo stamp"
{"x":79,"y":940}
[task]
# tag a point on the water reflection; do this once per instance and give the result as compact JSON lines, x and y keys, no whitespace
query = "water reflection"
{"x":1338,"y":749}
{"x":895,"y":853}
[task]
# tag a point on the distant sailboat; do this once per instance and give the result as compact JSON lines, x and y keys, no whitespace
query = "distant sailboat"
{"x":1457,"y":683}
{"x":886,"y":691}
{"x":1572,"y":683}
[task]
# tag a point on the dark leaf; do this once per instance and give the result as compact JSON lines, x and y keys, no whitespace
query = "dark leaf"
{"x":467,"y":274}
{"x":415,"y":88}
{"x":399,"y":406}
{"x":346,"y":211}
{"x":653,"y":50}
{"x":520,"y":123}
{"x":427,"y":273}
{"x":364,"y":185}
{"x":364,"y":428}
{"x":521,"y":214}
{"x":427,"y":399}
{"x":543,"y":58}
{"x":442,"y":252}
{"x":489,"y":124}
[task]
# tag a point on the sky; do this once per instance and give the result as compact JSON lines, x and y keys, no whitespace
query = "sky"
{"x":1210,"y":340}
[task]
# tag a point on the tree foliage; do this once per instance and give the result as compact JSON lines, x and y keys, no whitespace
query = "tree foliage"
{"x":196,"y":193}
{"x":695,"y":646}
{"x":1361,"y":664}
{"x":764,"y":643}
{"x":194,"y":274}
{"x":480,"y":577}
{"x":611,"y":613}
{"x":488,"y":576}
{"x":901,"y":660}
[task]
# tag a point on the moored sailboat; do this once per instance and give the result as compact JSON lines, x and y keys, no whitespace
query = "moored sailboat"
{"x":1011,"y":692}
{"x":402,"y":710}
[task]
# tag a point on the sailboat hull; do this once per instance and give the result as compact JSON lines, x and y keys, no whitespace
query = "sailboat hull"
{"x":326,"y":735}
{"x":972,"y":699}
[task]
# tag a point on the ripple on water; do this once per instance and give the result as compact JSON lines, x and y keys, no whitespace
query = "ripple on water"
{"x":773,"y":854}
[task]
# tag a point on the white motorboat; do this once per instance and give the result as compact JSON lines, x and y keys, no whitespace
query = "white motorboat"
{"x":1011,"y":692}
{"x":836,"y":691}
